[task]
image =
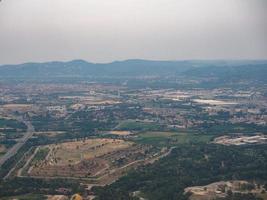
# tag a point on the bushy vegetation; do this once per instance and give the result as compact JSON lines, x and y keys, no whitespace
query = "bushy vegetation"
{"x":10,"y":123}
{"x":190,"y":165}
{"x":26,"y":197}
{"x":37,"y":186}
{"x":139,"y":126}
{"x":171,"y":138}
{"x":12,"y":128}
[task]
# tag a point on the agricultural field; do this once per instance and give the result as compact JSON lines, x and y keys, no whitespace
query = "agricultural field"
{"x":132,"y":125}
{"x":17,"y":107}
{"x":49,"y":134}
{"x":172,"y":138}
{"x":120,"y":133}
{"x":2,"y":150}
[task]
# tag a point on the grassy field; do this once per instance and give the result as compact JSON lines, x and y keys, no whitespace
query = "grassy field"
{"x":2,"y":148}
{"x":1,"y":154}
{"x":120,"y":133}
{"x":138,"y":126}
{"x":40,"y":155}
{"x":49,"y":133}
{"x":166,"y":138}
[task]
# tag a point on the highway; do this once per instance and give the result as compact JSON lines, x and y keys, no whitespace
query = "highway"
{"x":12,"y":151}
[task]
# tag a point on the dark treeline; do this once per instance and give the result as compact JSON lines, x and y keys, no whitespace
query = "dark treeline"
{"x":38,"y":186}
{"x":190,"y":165}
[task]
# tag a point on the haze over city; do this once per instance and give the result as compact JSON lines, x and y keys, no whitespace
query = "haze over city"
{"x":133,"y":100}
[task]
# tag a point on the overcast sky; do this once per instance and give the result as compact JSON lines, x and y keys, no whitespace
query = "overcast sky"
{"x":108,"y":30}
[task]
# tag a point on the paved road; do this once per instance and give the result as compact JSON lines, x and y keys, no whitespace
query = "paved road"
{"x":12,"y":151}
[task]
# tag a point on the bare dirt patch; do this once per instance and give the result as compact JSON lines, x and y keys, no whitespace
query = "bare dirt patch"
{"x":241,"y":140}
{"x":120,"y":133}
{"x":2,"y":148}
{"x":17,"y":107}
{"x":220,"y":189}
{"x":213,"y":102}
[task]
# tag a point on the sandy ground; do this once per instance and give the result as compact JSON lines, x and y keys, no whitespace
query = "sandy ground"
{"x":213,"y":102}
{"x":122,"y":133}
{"x":2,"y":148}
{"x":219,"y":189}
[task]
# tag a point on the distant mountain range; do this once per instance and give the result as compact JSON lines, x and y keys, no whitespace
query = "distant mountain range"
{"x":132,"y":68}
{"x":82,"y":68}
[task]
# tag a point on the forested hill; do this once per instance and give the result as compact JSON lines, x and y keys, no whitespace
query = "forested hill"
{"x":81,"y":68}
{"x":256,"y":72}
{"x":133,"y":68}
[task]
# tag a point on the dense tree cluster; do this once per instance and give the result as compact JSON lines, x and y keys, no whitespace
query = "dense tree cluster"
{"x":190,"y":165}
{"x":38,"y":186}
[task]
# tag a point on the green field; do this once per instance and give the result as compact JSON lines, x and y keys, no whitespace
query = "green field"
{"x":2,"y":153}
{"x":133,"y":125}
{"x":40,"y":155}
{"x":172,"y":138}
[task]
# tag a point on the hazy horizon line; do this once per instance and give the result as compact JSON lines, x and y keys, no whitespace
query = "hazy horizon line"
{"x":136,"y":59}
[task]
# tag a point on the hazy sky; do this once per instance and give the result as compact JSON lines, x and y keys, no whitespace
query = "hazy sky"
{"x":107,"y":30}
